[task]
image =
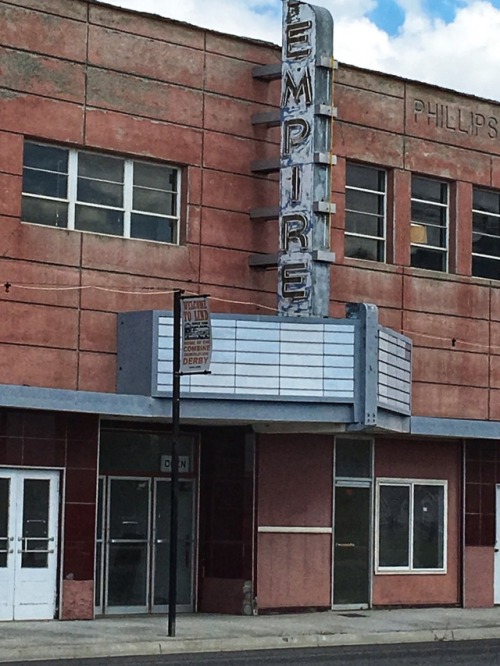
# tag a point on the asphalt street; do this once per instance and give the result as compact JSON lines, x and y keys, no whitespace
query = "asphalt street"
{"x":458,"y":653}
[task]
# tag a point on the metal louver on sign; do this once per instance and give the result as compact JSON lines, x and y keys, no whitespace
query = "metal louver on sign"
{"x":196,"y":347}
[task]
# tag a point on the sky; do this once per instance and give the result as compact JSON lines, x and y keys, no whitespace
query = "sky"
{"x":450,"y":43}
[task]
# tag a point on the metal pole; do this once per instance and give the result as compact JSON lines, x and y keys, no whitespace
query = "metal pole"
{"x":174,"y":489}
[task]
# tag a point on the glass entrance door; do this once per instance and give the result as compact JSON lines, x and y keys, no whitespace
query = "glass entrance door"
{"x":134,"y":535}
{"x":185,"y":559}
{"x":28,"y":544}
{"x":351,"y":564}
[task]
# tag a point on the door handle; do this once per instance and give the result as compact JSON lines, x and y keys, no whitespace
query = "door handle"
{"x":345,"y":545}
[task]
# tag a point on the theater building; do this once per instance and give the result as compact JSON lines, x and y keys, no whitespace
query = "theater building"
{"x":344,"y":452}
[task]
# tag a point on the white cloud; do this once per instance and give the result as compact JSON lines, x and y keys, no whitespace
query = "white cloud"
{"x":463,"y":54}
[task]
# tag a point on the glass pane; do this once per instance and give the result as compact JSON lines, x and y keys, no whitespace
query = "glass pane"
{"x":162,"y":549}
{"x":366,"y":178}
{"x":99,"y":192}
{"x":394,"y":528}
{"x":43,"y":211}
{"x":35,"y":533}
{"x":352,"y":553}
{"x":100,"y":167}
{"x":369,"y":225}
{"x":486,"y":224}
{"x":365,"y":202}
{"x":127,"y":577}
{"x":49,"y":158}
{"x":487,"y":268}
{"x":155,"y":201}
{"x":485,"y":244}
{"x":485,"y":200}
{"x":430,"y":259}
{"x":45,"y":183}
{"x":4,"y":520}
{"x":154,"y":176}
{"x":353,"y":458}
{"x":149,"y":227}
{"x":429,"y":190}
{"x":426,"y":212}
{"x":428,"y":527}
{"x":129,"y":509}
{"x":99,"y":220}
{"x":363,"y":248}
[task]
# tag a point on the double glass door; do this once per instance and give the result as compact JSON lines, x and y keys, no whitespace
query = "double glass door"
{"x":28,"y":544}
{"x":133,"y":545}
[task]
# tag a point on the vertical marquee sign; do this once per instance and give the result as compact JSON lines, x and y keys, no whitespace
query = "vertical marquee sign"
{"x":306,"y":121}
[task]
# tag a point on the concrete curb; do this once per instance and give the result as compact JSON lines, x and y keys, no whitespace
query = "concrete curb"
{"x":243,"y":643}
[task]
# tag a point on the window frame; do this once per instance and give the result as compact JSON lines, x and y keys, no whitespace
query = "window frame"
{"x":382,"y":240}
{"x":476,"y":211}
{"x":410,"y":569}
{"x":127,"y":209}
{"x":445,"y":250}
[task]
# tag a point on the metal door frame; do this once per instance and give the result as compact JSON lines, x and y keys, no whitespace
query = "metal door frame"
{"x":355,"y":482}
{"x":17,"y":476}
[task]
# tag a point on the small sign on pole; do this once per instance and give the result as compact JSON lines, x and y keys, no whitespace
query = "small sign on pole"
{"x":196,"y":350}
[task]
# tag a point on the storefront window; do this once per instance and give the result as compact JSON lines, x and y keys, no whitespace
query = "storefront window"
{"x":411,"y":526}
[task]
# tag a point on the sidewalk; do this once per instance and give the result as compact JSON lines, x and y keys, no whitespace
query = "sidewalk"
{"x":30,"y":641}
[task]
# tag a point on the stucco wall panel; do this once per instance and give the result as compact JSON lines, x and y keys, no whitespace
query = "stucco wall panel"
{"x":140,"y":136}
{"x":234,"y":116}
{"x":368,"y":80}
{"x":230,"y":230}
{"x":495,"y":303}
{"x":37,"y":74}
{"x":233,"y":154}
{"x":144,"y":258}
{"x":147,"y":26}
{"x":74,"y":10}
{"x":445,"y":295}
{"x":10,"y":195}
{"x":11,"y":153}
{"x":367,"y":145}
{"x":97,"y":372}
{"x":380,"y":286}
{"x":439,"y":331}
{"x":455,"y":402}
{"x":231,"y":77}
{"x":495,"y":405}
{"x":242,"y":49}
{"x":34,"y":242}
{"x":217,"y":263}
{"x":133,"y":54}
{"x":27,"y":324}
{"x":34,"y":116}
{"x":238,"y":193}
{"x":144,"y":97}
{"x":294,"y":570}
{"x":446,"y":161}
{"x":450,"y":366}
{"x":43,"y":32}
{"x":40,"y":280}
{"x":35,"y":366}
{"x":98,"y":331}
{"x":370,"y":109}
{"x":295,"y":489}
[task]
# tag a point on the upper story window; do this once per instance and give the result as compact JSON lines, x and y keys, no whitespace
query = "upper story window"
{"x":100,"y":193}
{"x":429,"y":224}
{"x":365,"y":212}
{"x":486,"y":234}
